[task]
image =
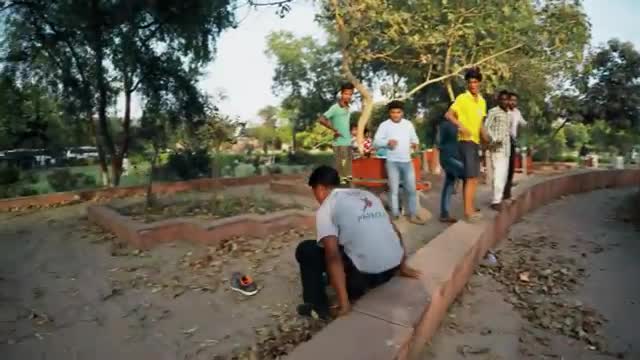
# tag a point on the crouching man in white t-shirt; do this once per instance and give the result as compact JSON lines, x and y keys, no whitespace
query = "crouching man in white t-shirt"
{"x":357,"y":247}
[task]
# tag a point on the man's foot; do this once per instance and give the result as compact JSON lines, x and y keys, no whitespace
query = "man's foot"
{"x":474,"y":218}
{"x":417,"y":220}
{"x":448,"y":220}
{"x":310,"y":310}
{"x":243,"y":284}
{"x":496,"y":207}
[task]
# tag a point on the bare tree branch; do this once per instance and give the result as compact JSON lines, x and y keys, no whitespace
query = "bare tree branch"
{"x":444,"y":77}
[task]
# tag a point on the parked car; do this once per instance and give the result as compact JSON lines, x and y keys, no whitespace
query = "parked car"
{"x":82,"y":152}
{"x":634,"y":156}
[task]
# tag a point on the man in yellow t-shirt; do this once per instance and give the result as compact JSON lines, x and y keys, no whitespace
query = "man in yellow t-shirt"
{"x":467,"y":114}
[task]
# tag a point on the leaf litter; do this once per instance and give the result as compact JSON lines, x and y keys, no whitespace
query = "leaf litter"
{"x":541,"y":283}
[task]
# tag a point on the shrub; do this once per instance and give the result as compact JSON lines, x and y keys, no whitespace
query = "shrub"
{"x":30,"y":177}
{"x":65,"y":180}
{"x":27,"y":191}
{"x":190,"y":165}
{"x":9,"y":175}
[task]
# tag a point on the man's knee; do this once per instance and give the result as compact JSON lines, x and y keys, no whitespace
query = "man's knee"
{"x":307,"y":249}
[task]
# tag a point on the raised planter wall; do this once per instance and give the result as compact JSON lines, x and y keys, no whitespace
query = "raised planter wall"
{"x":396,"y":320}
{"x":145,"y":236}
{"x":121,"y":192}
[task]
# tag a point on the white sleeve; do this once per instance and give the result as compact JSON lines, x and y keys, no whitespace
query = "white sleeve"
{"x":324,"y":221}
{"x":413,"y":135}
{"x":380,"y":138}
{"x":521,"y":119}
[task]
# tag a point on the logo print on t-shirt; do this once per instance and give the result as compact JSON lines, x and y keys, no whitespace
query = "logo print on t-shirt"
{"x":367,"y":204}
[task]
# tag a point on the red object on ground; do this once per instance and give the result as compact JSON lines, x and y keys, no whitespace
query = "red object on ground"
{"x":431,"y":158}
{"x":371,"y":172}
{"x":518,"y":163}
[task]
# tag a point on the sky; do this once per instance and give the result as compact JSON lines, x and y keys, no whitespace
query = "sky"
{"x":244,"y":73}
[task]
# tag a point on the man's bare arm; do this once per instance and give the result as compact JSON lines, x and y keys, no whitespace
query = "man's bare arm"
{"x":405,"y":270}
{"x":326,"y":123}
{"x":335,"y":269}
{"x":452,"y":116}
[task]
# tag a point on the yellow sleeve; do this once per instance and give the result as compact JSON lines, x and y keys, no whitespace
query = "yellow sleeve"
{"x":457,"y":105}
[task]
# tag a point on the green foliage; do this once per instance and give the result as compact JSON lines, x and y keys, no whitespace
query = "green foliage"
{"x":187,"y":165}
{"x":65,"y":180}
{"x":315,"y":138}
{"x":610,"y":86}
{"x":577,"y":135}
{"x":9,"y":175}
{"x":307,"y":75}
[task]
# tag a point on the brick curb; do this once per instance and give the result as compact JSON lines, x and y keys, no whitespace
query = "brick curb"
{"x":121,"y":192}
{"x":396,"y":320}
{"x":145,"y":236}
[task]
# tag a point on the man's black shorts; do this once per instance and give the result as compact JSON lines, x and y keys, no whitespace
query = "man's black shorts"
{"x":470,"y":158}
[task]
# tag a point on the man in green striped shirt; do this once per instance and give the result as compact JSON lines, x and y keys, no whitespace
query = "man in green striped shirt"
{"x":337,"y":119}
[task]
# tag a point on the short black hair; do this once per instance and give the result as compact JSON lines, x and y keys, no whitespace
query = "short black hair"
{"x":504,"y":93}
{"x":353,"y":126}
{"x":324,"y":175}
{"x":473,"y":73}
{"x":366,"y":131}
{"x":346,"y":86}
{"x":395,"y":104}
{"x":512,"y":94}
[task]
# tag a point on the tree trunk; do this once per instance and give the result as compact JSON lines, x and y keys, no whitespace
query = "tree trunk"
{"x":150,"y":199}
{"x":102,"y":161}
{"x":126,"y":130}
{"x":294,"y":143}
{"x":449,"y":86}
{"x":98,"y":48}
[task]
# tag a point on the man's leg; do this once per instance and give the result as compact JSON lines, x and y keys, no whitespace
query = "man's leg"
{"x":512,"y":162}
{"x":393,"y":177}
{"x":409,"y":182}
{"x":310,"y":257}
{"x":501,"y":169}
{"x":471,"y":161}
{"x":341,"y":160}
{"x":445,"y":197}
{"x":347,"y":165}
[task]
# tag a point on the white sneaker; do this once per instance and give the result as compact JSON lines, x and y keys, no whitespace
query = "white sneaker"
{"x":490,"y":259}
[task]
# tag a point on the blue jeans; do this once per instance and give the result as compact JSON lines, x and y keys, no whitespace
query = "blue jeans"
{"x":454,"y":169}
{"x":402,"y":172}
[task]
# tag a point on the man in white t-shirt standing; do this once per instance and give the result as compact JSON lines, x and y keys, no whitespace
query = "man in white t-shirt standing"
{"x":357,"y":246}
{"x":399,"y":136}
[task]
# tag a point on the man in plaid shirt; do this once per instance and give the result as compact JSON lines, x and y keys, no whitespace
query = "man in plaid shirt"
{"x":498,"y":127}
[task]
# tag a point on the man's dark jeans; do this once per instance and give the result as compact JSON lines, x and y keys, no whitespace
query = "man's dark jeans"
{"x":512,"y":163}
{"x":454,"y":169}
{"x":312,"y":263}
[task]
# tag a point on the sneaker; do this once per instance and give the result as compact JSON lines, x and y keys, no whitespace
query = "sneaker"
{"x":309,"y":310}
{"x":490,"y":259}
{"x":474,"y":218}
{"x":243,"y":284}
{"x":417,"y":220}
{"x":448,"y":220}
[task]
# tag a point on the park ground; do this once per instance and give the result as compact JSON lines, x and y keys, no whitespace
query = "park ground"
{"x":70,"y":291}
{"x":585,"y":249}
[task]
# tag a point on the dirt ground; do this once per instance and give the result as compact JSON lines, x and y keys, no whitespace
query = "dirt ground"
{"x":70,"y":291}
{"x":565,"y":288}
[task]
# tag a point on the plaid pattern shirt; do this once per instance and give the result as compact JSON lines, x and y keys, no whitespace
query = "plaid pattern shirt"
{"x":498,"y":126}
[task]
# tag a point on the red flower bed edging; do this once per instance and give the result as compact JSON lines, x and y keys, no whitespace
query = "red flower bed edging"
{"x":396,"y":320}
{"x":145,"y":236}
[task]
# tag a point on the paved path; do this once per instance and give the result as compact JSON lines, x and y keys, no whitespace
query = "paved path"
{"x":586,"y":238}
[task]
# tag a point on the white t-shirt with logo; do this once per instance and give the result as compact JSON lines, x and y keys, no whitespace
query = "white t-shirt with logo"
{"x":363,"y":228}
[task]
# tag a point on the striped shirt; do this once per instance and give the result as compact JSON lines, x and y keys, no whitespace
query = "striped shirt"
{"x":498,"y":126}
